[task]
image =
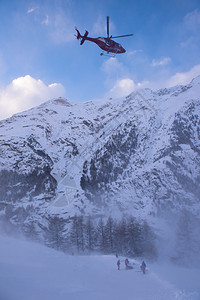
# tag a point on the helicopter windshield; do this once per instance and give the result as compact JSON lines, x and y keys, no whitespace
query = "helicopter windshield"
{"x":102,"y":39}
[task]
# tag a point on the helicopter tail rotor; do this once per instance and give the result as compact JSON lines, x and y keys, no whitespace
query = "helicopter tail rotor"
{"x":78,"y":33}
{"x":80,"y":36}
{"x":84,"y":37}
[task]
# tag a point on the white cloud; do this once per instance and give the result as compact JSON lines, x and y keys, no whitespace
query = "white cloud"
{"x":62,"y":28}
{"x":113,"y":67}
{"x":59,"y":23}
{"x":118,"y":80}
{"x":192,"y":21}
{"x":99,"y":27}
{"x":26,"y":92}
{"x":191,"y":28}
{"x":122,"y":87}
{"x":46,"y":21}
{"x":184,"y":77}
{"x":125,"y":86}
{"x":161,"y":62}
{"x":133,"y":52}
{"x":181,"y":78}
{"x":114,"y":72}
{"x":31,"y":10}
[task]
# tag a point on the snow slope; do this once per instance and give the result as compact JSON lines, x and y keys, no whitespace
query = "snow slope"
{"x":29,"y":271}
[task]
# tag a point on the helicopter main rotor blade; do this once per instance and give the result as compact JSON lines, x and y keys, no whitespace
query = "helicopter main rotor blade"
{"x":119,"y":36}
{"x":108,"y":27}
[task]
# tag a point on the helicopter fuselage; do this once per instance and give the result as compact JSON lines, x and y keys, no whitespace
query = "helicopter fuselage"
{"x":106,"y":44}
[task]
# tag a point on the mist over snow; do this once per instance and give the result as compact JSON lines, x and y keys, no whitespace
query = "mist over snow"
{"x":32,"y":271}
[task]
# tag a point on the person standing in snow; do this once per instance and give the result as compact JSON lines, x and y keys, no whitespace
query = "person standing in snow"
{"x":126,"y":262}
{"x":118,"y":264}
{"x":143,"y":267}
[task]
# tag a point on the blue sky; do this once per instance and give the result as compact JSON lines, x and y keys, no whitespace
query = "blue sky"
{"x":40,"y":58}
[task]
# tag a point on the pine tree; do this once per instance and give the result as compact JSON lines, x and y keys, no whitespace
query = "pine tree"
{"x":109,"y":235}
{"x":77,"y":233}
{"x":134,"y":236}
{"x":121,"y":237}
{"x":30,"y":230}
{"x":101,"y":237}
{"x":89,"y":235}
{"x":73,"y":234}
{"x":55,"y":233}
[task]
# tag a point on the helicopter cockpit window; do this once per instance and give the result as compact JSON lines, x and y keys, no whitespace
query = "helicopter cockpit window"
{"x":102,"y":39}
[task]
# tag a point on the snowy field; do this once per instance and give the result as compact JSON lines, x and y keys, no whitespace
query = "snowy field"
{"x":29,"y":271}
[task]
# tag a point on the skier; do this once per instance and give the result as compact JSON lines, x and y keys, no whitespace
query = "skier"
{"x":118,"y":264}
{"x":143,"y":267}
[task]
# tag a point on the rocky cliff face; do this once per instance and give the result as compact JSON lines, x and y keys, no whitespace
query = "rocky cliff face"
{"x":137,"y":155}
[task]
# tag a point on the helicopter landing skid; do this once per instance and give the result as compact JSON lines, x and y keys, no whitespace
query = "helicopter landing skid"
{"x":108,"y":55}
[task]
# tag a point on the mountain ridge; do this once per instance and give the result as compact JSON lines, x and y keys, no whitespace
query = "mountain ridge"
{"x":136,"y":155}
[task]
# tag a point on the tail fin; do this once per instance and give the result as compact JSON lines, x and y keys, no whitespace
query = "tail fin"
{"x":84,"y":37}
{"x":80,"y":36}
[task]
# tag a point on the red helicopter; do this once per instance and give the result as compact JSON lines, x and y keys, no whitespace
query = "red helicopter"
{"x":105,"y":43}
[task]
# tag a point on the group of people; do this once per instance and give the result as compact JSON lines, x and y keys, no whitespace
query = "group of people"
{"x":129,"y":266}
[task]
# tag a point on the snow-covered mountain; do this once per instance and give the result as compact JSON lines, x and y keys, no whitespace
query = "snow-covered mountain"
{"x":138,"y":155}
